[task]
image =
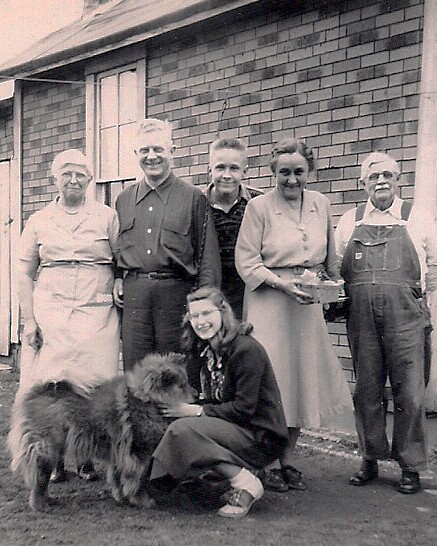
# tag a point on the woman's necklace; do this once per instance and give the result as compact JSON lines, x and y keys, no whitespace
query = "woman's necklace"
{"x":71,"y":210}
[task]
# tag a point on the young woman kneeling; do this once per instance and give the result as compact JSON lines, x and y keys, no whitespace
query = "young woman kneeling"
{"x":238,"y":425}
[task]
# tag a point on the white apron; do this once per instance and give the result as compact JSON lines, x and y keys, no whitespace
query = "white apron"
{"x":74,"y":309}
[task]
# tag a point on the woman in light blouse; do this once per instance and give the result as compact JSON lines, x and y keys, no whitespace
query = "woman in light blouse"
{"x":283,"y":233}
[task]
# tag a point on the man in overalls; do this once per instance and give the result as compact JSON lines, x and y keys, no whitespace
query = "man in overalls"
{"x":383,"y":249}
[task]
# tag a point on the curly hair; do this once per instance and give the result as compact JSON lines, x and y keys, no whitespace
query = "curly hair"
{"x":290,"y":146}
{"x":230,"y":328}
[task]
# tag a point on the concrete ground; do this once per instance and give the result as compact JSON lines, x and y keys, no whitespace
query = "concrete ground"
{"x":345,"y":426}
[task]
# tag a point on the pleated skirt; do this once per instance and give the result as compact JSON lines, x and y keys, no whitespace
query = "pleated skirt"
{"x":313,"y":386}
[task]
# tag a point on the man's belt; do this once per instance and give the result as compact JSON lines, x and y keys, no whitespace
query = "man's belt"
{"x":153,"y":275}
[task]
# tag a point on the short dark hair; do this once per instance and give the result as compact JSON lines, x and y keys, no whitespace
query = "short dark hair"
{"x":290,"y":146}
{"x":229,"y":143}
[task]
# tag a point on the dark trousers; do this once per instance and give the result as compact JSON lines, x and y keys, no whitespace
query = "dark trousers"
{"x":386,"y":337}
{"x":152,"y":316}
{"x":233,"y":288}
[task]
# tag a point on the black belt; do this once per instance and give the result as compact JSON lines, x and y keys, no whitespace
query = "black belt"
{"x":153,"y":275}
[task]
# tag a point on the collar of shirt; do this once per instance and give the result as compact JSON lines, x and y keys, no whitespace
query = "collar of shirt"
{"x":163,"y":190}
{"x":394,"y":210}
{"x":243,"y":194}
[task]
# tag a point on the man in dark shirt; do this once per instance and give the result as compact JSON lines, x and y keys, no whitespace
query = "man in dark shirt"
{"x":167,"y":245}
{"x":228,"y":198}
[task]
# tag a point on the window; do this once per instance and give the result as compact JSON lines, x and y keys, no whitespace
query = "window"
{"x":119,"y":101}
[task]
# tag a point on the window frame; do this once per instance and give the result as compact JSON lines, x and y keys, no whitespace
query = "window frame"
{"x":102,"y":188}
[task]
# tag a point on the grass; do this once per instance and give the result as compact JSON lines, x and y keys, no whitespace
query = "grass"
{"x":330,"y":513}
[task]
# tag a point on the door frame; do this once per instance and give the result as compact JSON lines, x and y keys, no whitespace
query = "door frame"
{"x":5,"y":258}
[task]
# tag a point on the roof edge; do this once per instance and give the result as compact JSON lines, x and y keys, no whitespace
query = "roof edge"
{"x":161,"y":25}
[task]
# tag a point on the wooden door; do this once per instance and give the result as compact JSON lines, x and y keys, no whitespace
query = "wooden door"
{"x":5,"y":257}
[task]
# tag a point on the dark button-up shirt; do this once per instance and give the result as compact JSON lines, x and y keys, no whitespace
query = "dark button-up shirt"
{"x":227,"y":225}
{"x":167,"y":229}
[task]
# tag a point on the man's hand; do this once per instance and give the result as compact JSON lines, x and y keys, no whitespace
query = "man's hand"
{"x":117,"y":292}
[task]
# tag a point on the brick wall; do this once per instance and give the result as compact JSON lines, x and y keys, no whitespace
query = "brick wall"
{"x":53,"y":120}
{"x":345,"y":77}
{"x":6,"y":133}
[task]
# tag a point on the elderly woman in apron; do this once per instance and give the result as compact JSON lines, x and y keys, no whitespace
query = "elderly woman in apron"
{"x":71,"y":326}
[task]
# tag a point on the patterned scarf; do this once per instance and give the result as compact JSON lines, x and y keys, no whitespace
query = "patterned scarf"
{"x":212,"y":376}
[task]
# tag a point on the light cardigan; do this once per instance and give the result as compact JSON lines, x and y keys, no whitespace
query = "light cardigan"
{"x":269,"y":238}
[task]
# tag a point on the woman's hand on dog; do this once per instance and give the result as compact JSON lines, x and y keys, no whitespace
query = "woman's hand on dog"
{"x":181,"y":409}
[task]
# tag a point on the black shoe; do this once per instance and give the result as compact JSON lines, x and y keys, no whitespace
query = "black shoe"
{"x":163,"y":485}
{"x":273,"y":480}
{"x":409,"y":483}
{"x":87,"y":472}
{"x":58,"y":475}
{"x":367,"y":473}
{"x":293,"y":478}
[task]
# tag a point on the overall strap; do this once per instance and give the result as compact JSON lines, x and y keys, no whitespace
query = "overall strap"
{"x":359,"y":213}
{"x":405,"y":211}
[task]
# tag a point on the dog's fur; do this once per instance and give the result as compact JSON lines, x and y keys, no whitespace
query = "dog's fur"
{"x":117,"y":422}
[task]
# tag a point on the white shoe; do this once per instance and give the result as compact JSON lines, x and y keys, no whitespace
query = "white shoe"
{"x":240,"y":502}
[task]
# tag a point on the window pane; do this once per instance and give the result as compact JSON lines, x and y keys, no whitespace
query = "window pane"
{"x":128,"y":159}
{"x":108,"y":153}
{"x":108,"y":101}
{"x":128,"y":97}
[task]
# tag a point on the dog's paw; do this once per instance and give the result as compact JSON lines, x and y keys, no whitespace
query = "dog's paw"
{"x":38,"y":502}
{"x":143,"y":501}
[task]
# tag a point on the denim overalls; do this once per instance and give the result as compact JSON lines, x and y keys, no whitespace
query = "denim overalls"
{"x":385,"y":330}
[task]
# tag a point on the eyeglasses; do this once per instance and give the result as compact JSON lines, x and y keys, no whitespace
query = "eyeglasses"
{"x":144,"y":152}
{"x":68,"y":175}
{"x":203,"y":314}
{"x":373,"y":177}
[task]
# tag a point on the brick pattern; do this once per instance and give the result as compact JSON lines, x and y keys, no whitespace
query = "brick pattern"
{"x":6,"y":133}
{"x":345,"y":78}
{"x":53,"y":121}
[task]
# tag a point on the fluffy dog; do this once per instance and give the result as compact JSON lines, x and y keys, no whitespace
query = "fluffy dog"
{"x":117,"y":422}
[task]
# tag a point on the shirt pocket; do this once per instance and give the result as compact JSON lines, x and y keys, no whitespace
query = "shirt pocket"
{"x":382,"y":254}
{"x":175,"y":234}
{"x":126,"y":236}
